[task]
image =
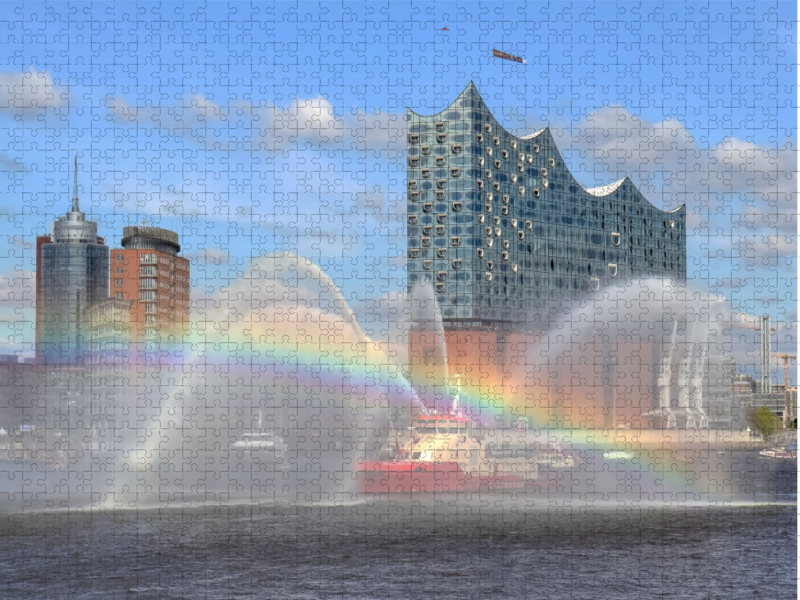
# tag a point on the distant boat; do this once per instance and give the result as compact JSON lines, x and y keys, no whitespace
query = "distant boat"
{"x":778,"y":453}
{"x":618,"y":455}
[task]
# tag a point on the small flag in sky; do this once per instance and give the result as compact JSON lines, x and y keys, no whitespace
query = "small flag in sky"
{"x":506,"y":56}
{"x":445,"y":29}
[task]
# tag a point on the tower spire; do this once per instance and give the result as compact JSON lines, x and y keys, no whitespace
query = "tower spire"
{"x":75,"y":207}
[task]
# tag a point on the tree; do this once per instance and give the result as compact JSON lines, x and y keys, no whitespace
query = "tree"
{"x":764,"y":421}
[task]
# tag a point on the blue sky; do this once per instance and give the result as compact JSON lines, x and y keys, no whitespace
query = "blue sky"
{"x":250,"y":129}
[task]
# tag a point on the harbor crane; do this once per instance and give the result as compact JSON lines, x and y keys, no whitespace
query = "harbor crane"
{"x":785,"y":358}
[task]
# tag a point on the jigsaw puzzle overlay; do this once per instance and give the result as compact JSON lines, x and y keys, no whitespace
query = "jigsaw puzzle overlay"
{"x":398,"y":300}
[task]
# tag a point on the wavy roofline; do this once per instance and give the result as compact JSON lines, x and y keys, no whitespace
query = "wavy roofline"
{"x":597,"y":191}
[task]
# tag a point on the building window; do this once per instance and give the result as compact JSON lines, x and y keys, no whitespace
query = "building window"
{"x":118,"y":282}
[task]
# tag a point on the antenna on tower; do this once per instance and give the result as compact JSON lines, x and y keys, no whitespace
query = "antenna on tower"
{"x":75,"y":207}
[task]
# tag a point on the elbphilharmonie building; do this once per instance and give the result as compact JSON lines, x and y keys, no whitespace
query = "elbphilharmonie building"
{"x":500,"y":227}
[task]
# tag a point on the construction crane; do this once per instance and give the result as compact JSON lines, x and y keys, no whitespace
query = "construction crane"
{"x":749,"y":325}
{"x":785,"y":358}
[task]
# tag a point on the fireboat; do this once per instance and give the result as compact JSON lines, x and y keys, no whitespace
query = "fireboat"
{"x":443,"y":453}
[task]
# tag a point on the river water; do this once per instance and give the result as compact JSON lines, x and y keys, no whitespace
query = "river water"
{"x":442,"y":546}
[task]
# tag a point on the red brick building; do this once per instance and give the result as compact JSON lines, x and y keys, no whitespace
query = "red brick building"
{"x":149,"y":272}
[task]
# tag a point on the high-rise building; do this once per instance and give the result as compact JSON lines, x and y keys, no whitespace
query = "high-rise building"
{"x":71,"y":275}
{"x":149,"y":272}
{"x":500,"y":227}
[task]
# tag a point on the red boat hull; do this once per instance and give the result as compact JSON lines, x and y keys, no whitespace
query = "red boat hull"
{"x":422,"y":477}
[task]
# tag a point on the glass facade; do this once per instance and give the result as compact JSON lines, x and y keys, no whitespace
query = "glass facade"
{"x":501,"y":227}
{"x":74,"y":271}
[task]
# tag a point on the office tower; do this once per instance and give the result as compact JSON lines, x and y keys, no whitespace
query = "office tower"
{"x":149,"y":272}
{"x":71,"y":275}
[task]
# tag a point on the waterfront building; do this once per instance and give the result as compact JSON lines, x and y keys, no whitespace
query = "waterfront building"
{"x":744,"y":386}
{"x":148,"y":272}
{"x":719,"y":377}
{"x":71,"y":275}
{"x":774,"y":401}
{"x":503,"y":234}
{"x":106,"y":332}
{"x":500,"y":227}
{"x":790,"y":412}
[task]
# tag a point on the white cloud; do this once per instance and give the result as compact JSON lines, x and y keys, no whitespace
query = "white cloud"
{"x":306,"y":123}
{"x":669,"y":166}
{"x":29,"y":90}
